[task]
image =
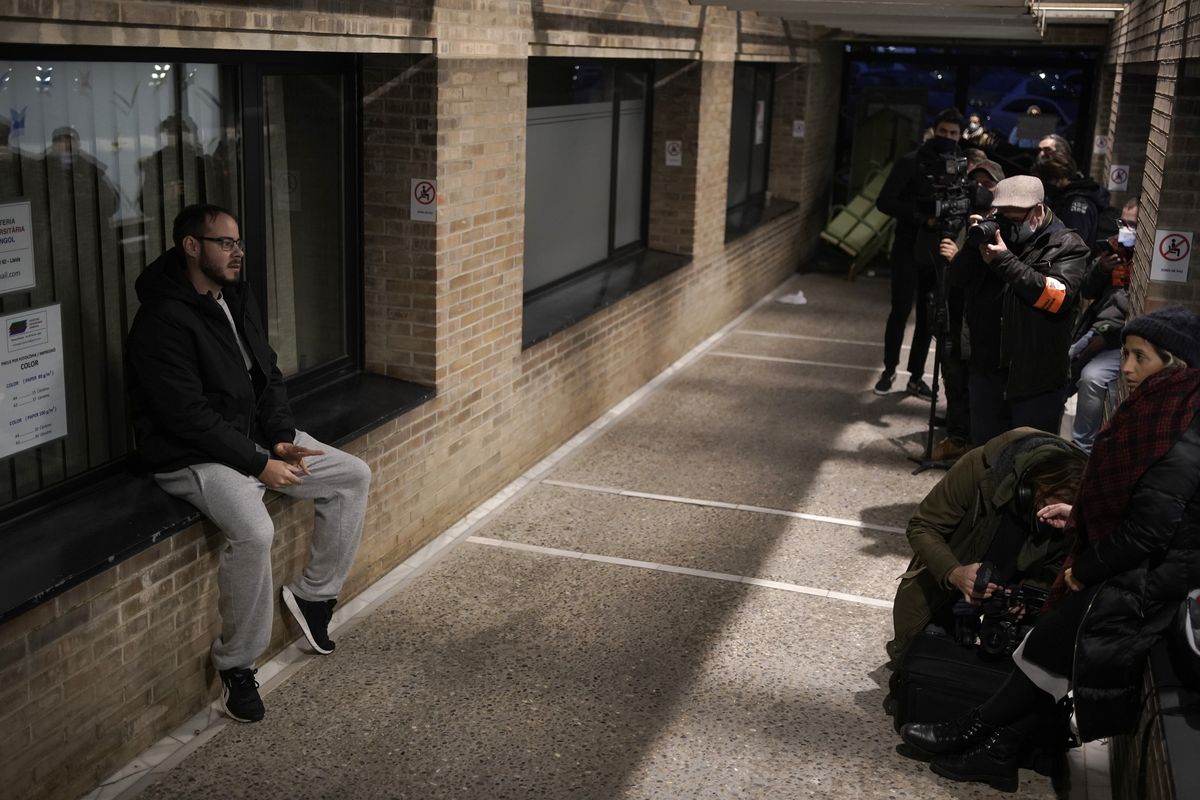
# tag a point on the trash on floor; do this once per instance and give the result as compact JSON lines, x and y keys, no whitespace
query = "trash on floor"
{"x":797,"y":299}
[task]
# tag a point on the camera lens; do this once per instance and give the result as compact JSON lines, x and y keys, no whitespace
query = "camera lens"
{"x":982,"y":233}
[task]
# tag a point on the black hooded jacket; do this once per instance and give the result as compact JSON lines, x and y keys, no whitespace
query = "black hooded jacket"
{"x":193,"y":399}
{"x":1019,"y":309}
{"x":1078,"y":205}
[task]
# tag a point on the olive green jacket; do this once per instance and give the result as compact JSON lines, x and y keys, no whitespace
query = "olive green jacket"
{"x":956,"y":521}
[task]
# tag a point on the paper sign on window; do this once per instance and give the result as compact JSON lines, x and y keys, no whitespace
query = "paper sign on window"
{"x":16,"y":248}
{"x":33,"y":386}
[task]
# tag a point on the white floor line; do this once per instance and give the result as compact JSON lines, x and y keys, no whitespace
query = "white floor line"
{"x":825,"y":339}
{"x":699,"y":573}
{"x":128,"y":782}
{"x":806,"y":363}
{"x":693,"y":501}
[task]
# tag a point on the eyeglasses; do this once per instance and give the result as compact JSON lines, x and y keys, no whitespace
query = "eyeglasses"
{"x":224,"y":242}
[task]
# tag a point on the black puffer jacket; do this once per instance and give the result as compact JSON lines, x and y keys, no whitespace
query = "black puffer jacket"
{"x":1147,"y":566}
{"x":193,"y":399}
{"x":1019,"y":309}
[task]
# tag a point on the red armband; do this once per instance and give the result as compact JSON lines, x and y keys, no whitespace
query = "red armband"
{"x":1054,"y":294}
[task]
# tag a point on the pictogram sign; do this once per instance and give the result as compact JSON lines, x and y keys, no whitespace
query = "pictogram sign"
{"x":424,"y":200}
{"x":1172,"y":253}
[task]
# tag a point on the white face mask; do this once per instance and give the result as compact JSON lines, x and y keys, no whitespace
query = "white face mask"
{"x":974,"y":126}
{"x":1126,"y":237}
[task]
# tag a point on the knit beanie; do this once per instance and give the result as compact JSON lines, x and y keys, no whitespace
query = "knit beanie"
{"x":1172,"y":328}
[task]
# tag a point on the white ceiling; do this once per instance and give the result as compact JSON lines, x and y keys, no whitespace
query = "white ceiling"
{"x":995,"y":20}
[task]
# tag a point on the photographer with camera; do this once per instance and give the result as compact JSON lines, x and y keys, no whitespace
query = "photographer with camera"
{"x":909,"y":195}
{"x":1020,"y":272}
{"x":1096,"y":354}
{"x":982,"y":175}
{"x":984,"y":510}
{"x":1134,"y":558}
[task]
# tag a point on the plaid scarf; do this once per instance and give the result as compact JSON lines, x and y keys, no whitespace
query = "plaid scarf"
{"x":1141,"y":431}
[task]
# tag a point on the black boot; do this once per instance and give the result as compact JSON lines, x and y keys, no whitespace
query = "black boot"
{"x":943,"y":738}
{"x":995,"y":762}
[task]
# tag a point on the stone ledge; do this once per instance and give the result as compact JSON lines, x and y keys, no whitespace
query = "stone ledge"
{"x":51,"y":549}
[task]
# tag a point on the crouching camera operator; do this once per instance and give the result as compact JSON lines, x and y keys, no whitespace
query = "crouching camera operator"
{"x":985,"y":510}
{"x":1020,"y":272}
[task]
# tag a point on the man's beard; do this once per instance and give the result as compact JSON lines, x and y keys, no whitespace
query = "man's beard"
{"x":213,"y":273}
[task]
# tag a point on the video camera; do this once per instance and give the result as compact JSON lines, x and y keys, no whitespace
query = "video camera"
{"x":1000,"y":622}
{"x":946,"y":184}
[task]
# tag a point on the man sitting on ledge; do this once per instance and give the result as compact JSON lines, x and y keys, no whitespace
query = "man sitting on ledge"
{"x":213,"y":424}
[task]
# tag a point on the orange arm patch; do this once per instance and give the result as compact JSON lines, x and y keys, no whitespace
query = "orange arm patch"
{"x":1054,"y":294}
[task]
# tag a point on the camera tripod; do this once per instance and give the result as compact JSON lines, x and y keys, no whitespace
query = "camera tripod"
{"x":941,"y":331}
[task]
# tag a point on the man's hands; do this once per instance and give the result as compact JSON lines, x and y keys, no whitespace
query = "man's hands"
{"x":278,"y":474}
{"x":1109,"y":261}
{"x":994,"y":249}
{"x":963,"y":579}
{"x":287,"y":466}
{"x":948,"y":249}
{"x":294,"y":454}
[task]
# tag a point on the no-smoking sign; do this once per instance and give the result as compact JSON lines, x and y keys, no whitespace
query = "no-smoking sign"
{"x":674,"y":153}
{"x":423,"y":200}
{"x":1118,"y":177}
{"x":1172,"y":253}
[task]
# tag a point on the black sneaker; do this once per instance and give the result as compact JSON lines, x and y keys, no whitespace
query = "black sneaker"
{"x":919,"y":388}
{"x":884,"y":384}
{"x":239,"y":695}
{"x":313,"y":616}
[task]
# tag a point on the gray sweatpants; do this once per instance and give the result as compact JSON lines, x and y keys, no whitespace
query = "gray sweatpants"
{"x":234,"y":501}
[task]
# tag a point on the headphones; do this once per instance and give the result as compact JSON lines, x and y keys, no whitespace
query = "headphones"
{"x":1024,"y":507}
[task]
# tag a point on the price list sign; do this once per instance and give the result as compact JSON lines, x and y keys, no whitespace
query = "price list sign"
{"x":33,"y":392}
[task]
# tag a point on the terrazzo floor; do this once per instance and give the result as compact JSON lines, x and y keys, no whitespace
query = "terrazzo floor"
{"x":688,"y":600}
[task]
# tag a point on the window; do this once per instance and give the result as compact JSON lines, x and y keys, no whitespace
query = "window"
{"x":586,"y":175}
{"x":106,"y":152}
{"x":750,"y":135}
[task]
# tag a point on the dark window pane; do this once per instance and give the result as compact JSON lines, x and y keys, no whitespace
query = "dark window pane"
{"x":580,"y":203}
{"x":741,"y":134}
{"x":106,"y":154}
{"x":568,"y":81}
{"x":302,"y":130}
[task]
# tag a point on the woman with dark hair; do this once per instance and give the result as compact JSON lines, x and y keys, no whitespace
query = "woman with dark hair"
{"x":1136,"y":555}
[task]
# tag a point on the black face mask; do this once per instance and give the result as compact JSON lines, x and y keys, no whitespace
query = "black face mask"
{"x":1014,"y":234}
{"x":982,"y":199}
{"x":942,"y":146}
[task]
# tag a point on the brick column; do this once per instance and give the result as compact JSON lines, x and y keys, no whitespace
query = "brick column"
{"x":712,"y":156}
{"x":1133,"y":102}
{"x":786,"y":180}
{"x":673,"y":189}
{"x":1172,"y":197}
{"x":399,"y":145}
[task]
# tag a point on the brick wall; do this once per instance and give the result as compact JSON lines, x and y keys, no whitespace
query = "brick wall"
{"x":399,"y":145}
{"x":1152,"y":116}
{"x":94,"y":676}
{"x":673,"y":189}
{"x":1178,"y":198}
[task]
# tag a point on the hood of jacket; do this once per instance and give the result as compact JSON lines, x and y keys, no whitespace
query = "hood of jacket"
{"x":1084,"y":186}
{"x":166,"y":278}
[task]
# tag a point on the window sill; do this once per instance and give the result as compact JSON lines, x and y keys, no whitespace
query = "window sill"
{"x":49,"y":550}
{"x":742,"y":219}
{"x":559,"y":306}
